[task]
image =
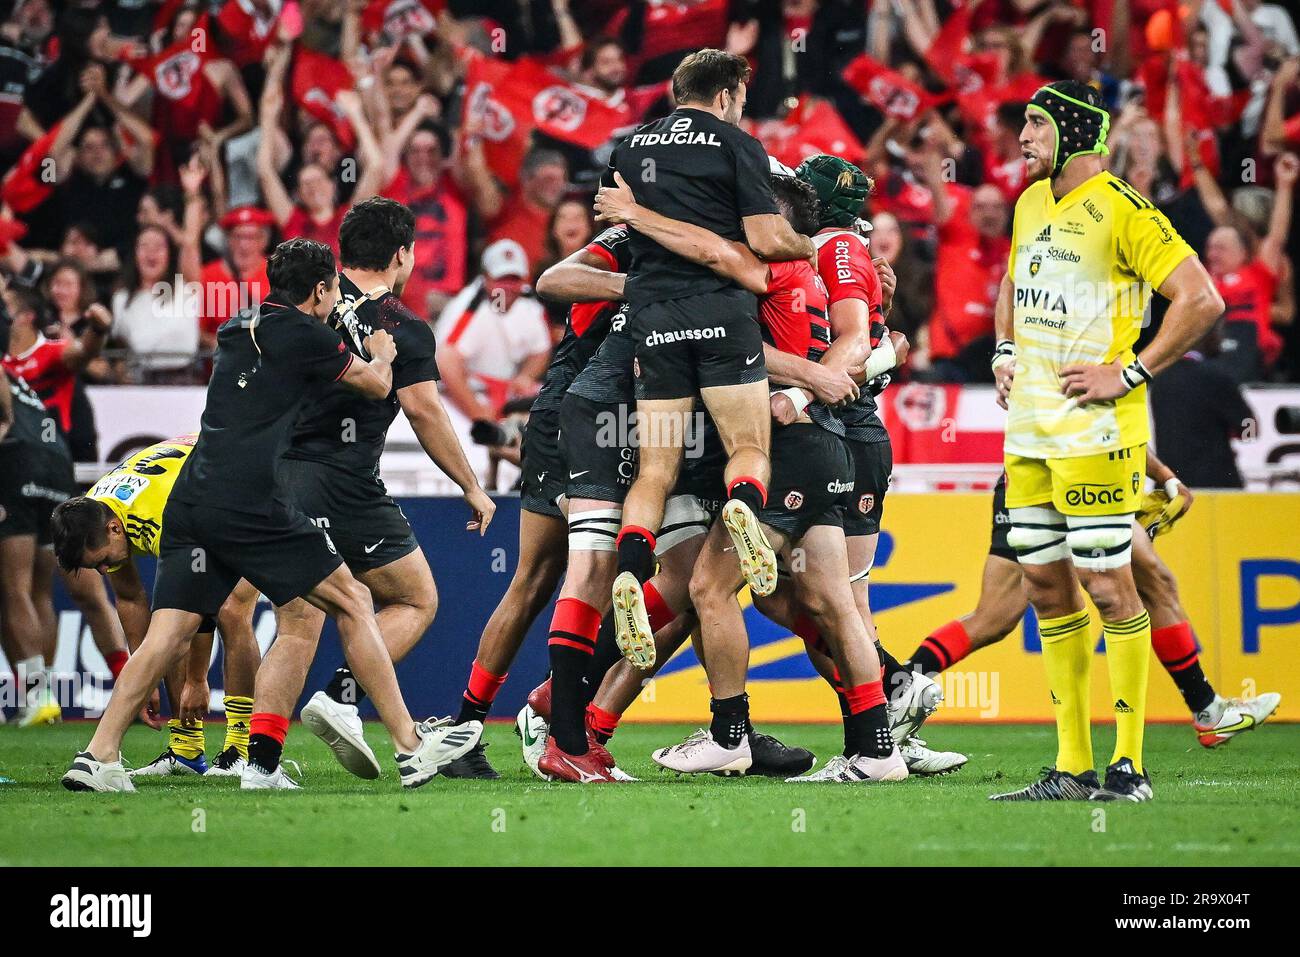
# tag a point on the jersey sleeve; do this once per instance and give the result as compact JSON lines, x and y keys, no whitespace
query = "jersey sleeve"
{"x":416,"y":359}
{"x":612,"y":246}
{"x":754,"y":196}
{"x":320,"y":352}
{"x":1150,"y":245}
{"x":844,"y":263}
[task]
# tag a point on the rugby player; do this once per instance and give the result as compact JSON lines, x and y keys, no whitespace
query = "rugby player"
{"x":331,"y":472}
{"x":105,"y":529}
{"x":31,"y":488}
{"x":859,"y":307}
{"x":812,"y":478}
{"x":591,"y":280}
{"x":695,"y":331}
{"x":1001,"y":606}
{"x":228,"y":517}
{"x":1086,"y":251}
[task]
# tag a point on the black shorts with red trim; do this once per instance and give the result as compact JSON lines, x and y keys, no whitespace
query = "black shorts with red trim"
{"x":812,"y":480}
{"x":696,"y":342}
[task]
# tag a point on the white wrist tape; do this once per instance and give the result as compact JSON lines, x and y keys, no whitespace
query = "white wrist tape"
{"x":1004,"y":353}
{"x":798,"y":398}
{"x":1172,"y":487}
{"x":882,"y":359}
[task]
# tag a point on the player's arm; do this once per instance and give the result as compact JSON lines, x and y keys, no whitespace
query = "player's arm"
{"x":195,"y":693}
{"x":81,"y":351}
{"x":581,"y":277}
{"x":825,"y":383}
{"x":774,"y":239}
{"x":132,"y":601}
{"x":1153,"y":253}
{"x":373,"y":379}
{"x":732,"y":260}
{"x":422,"y":405}
{"x":1004,"y":330}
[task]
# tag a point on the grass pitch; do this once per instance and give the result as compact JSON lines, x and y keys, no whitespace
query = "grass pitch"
{"x":1232,"y":806}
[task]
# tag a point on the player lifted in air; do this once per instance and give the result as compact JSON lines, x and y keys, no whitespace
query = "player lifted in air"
{"x":1086,"y":251}
{"x":105,"y":529}
{"x":1001,"y":605}
{"x":695,"y":330}
{"x":229,"y":516}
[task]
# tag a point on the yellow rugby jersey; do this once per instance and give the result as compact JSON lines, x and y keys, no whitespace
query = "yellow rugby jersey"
{"x":1083,"y":270}
{"x":137,"y":490}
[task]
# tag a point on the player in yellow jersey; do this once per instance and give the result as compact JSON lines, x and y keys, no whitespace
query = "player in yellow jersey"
{"x":1086,"y":251}
{"x":120,"y":518}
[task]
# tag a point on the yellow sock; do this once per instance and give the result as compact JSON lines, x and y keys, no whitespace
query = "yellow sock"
{"x":239,"y":711}
{"x":1128,"y":656}
{"x":185,"y":741}
{"x":1067,"y":655}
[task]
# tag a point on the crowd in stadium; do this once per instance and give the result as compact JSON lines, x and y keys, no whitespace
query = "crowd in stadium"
{"x":150,"y":141}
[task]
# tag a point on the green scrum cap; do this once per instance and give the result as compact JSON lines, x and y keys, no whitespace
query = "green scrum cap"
{"x":841,"y":188}
{"x":1079,"y":117}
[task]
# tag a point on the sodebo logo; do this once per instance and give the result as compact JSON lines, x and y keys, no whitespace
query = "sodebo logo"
{"x":76,"y":910}
{"x":1094,"y":495}
{"x":657,"y":338}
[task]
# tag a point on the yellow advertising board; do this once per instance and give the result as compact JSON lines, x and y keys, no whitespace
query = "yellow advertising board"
{"x":1236,"y":557}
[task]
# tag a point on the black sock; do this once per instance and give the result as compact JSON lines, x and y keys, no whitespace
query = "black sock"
{"x":469,"y":711}
{"x":894,"y":676}
{"x":867,"y":733}
{"x":569,"y":698}
{"x":845,"y":714}
{"x":749,"y":493}
{"x":606,"y":656}
{"x":636,"y":554}
{"x":1194,"y":686}
{"x":926,"y":661}
{"x":344,"y":689}
{"x":730,"y":721}
{"x":264,"y":751}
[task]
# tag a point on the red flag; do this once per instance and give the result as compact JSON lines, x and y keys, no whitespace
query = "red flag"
{"x":401,"y":18}
{"x":813,"y":126}
{"x":315,"y":81}
{"x":949,"y":45}
{"x":23,"y":188}
{"x":172,"y":71}
{"x":510,"y":100}
{"x":888,"y":91}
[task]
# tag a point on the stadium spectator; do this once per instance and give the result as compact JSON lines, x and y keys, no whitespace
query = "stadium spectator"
{"x":422,"y":182}
{"x":523,"y":215}
{"x":51,"y":366}
{"x":154,"y":313}
{"x":914,"y":296}
{"x":493,"y":339}
{"x":23,"y":33}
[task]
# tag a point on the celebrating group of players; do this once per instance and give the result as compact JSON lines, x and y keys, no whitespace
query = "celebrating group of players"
{"x":708,"y":422}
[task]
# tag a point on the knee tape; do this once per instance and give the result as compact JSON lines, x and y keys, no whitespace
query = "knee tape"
{"x":1100,"y":543}
{"x":1038,"y":535}
{"x":594,"y":531}
{"x":684,"y":519}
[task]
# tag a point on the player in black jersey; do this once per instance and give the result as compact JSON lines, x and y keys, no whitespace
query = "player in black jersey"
{"x":332,"y":472}
{"x":812,"y":481}
{"x":695,"y":330}
{"x":229,"y":516}
{"x":591,"y":279}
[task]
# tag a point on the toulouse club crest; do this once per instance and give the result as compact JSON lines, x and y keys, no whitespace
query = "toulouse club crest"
{"x":498,"y":122}
{"x":559,"y":108}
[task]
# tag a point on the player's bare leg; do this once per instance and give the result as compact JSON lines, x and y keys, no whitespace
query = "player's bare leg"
{"x":1001,"y":606}
{"x":543,"y":554}
{"x":1215,"y":718}
{"x":742,"y":414}
{"x":22,"y":622}
{"x":584,"y":596}
{"x":98,"y":767}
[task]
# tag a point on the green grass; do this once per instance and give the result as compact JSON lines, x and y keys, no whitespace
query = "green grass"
{"x":1235,"y":805}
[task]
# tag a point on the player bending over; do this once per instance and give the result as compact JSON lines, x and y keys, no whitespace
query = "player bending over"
{"x":104,"y":530}
{"x":229,"y":517}
{"x":1001,"y":606}
{"x":1086,"y":251}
